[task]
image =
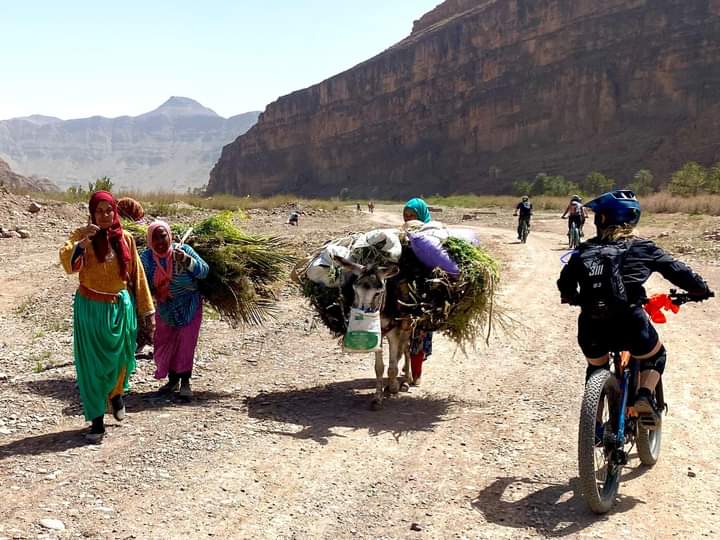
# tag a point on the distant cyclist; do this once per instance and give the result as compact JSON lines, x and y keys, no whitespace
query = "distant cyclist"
{"x":524,"y":209}
{"x":606,"y":278}
{"x":576,"y":213}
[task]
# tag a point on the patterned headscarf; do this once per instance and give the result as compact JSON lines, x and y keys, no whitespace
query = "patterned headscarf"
{"x":111,"y":237}
{"x":130,"y":209}
{"x":420,"y":208}
{"x":162,"y":276}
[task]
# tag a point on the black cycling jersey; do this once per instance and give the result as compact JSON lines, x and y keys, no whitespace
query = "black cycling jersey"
{"x":524,"y":209}
{"x":642,"y":259}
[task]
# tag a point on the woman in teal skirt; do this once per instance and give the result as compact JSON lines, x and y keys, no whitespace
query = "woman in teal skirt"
{"x":113,"y":293}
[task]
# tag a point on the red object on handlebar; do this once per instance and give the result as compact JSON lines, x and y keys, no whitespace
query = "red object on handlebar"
{"x":656,"y":304}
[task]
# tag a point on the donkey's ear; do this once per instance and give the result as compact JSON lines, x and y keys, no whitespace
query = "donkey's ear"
{"x":349,"y":265}
{"x":386,"y":272}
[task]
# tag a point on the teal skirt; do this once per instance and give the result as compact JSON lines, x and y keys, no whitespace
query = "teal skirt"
{"x":104,"y":345}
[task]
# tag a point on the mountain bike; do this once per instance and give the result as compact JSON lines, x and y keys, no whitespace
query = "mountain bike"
{"x":604,"y":451}
{"x":573,"y":236}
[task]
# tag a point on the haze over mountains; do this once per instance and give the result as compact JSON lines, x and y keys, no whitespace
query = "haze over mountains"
{"x":170,"y":148}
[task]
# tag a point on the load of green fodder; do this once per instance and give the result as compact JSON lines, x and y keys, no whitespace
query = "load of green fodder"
{"x":470,"y":306}
{"x":460,"y":307}
{"x":245,"y":270}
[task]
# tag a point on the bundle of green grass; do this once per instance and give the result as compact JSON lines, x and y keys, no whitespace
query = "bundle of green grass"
{"x":246,"y":271}
{"x":461,"y":307}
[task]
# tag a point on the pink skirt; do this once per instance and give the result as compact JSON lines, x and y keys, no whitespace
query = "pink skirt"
{"x":175,"y":345}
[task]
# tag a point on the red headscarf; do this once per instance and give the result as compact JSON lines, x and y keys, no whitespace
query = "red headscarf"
{"x":104,"y":239}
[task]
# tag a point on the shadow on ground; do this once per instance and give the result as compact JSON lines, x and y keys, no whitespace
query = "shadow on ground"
{"x":44,"y":444}
{"x":320,"y":409}
{"x":65,"y":389}
{"x":553,"y":510}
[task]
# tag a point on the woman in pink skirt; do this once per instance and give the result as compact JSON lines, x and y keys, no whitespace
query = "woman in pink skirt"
{"x":173,"y":272}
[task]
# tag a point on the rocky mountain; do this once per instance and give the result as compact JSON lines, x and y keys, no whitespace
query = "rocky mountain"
{"x":486,"y":92}
{"x":17,"y":182}
{"x":171,"y":147}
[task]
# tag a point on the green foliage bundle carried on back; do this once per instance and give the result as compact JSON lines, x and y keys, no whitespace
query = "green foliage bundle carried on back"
{"x":461,"y":306}
{"x":245,"y":270}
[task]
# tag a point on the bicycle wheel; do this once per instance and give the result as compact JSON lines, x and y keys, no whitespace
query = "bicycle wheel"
{"x":599,"y":475}
{"x":574,"y":236}
{"x":648,"y":441}
{"x":524,"y":232}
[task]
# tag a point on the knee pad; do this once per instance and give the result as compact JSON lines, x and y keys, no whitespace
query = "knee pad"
{"x":592,"y":369}
{"x":656,"y":362}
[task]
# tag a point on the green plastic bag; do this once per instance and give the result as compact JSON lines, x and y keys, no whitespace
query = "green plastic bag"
{"x":364,"y":333}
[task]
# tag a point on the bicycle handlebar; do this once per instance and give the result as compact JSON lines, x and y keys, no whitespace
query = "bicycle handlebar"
{"x":683,"y":298}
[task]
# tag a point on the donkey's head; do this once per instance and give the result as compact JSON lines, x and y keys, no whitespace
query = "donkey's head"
{"x":370,"y":283}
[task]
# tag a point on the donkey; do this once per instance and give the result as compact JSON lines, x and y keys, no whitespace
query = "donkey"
{"x":370,"y":290}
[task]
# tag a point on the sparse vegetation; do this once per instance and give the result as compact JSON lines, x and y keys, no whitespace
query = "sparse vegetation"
{"x":687,"y":191}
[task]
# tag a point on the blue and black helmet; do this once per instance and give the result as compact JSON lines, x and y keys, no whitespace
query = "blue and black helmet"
{"x":619,"y":207}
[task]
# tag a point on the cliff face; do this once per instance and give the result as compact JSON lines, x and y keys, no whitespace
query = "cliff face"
{"x":482,"y":93}
{"x":171,"y":147}
{"x":16,"y":182}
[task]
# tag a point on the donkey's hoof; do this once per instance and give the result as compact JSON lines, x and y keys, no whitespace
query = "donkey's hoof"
{"x":405,"y":387}
{"x":376,"y":404}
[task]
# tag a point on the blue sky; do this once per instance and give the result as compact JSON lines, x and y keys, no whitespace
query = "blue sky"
{"x":77,"y":58}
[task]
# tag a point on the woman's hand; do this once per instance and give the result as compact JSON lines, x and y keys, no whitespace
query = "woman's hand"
{"x":88,"y":232}
{"x":183,"y":259}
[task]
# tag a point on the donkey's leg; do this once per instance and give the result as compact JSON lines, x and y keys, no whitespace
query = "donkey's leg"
{"x":396,"y":350}
{"x":377,"y":401}
{"x":407,"y":370}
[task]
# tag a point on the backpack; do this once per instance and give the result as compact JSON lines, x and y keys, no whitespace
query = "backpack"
{"x":602,"y":289}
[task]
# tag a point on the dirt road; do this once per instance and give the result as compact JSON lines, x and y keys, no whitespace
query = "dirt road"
{"x":279,"y":441}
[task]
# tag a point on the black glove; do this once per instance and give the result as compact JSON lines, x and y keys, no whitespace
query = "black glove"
{"x":699,"y":296}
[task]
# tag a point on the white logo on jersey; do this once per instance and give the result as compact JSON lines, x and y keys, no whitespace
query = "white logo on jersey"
{"x":596,"y":269}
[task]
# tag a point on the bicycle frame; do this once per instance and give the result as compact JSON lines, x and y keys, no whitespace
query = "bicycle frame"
{"x":628,"y":371}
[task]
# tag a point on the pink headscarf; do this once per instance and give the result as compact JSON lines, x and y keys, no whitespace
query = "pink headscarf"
{"x":162,"y":276}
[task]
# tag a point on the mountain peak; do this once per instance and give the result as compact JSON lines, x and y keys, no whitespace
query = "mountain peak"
{"x":181,"y":106}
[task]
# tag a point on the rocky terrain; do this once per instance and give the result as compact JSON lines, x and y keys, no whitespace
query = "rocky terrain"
{"x":279,"y":441}
{"x":170,"y":148}
{"x":17,"y":182}
{"x":486,"y":92}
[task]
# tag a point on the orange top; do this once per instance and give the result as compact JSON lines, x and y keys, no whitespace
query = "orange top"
{"x":104,"y":276}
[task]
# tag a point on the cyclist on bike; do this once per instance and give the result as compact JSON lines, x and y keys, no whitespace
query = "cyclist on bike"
{"x":605,"y":277}
{"x":524,"y":209}
{"x":576,"y":213}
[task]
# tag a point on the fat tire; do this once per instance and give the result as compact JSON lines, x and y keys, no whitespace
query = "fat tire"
{"x":599,"y":501}
{"x":649,"y":442}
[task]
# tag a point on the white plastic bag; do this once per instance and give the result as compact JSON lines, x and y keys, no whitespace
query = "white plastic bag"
{"x":464,"y":234}
{"x":323,"y":269}
{"x":364,"y":333}
{"x":386,"y":240}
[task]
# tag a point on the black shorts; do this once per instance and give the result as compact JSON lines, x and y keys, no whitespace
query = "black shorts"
{"x":632,"y":332}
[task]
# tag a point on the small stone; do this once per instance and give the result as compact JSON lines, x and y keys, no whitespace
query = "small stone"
{"x":34,"y":207}
{"x":691,"y":474}
{"x":416,"y":527}
{"x":105,"y":510}
{"x":23,"y":233}
{"x":52,"y":524}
